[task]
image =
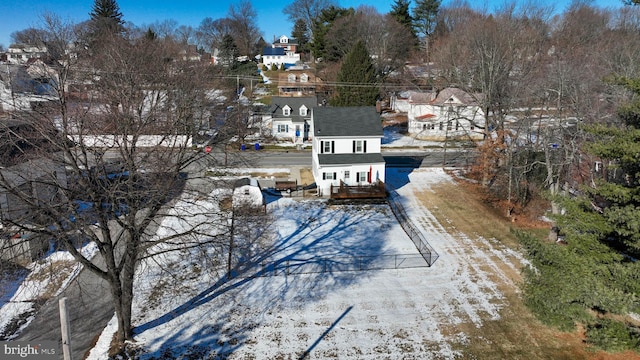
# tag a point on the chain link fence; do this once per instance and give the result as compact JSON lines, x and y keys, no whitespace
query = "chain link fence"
{"x":330,"y":264}
{"x":427,"y":252}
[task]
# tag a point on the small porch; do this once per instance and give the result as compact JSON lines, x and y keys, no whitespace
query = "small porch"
{"x":375,"y":190}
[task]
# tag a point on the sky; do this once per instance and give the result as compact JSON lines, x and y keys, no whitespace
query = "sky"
{"x":18,"y":15}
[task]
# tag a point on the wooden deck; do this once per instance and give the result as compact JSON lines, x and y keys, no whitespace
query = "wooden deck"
{"x":374,"y":191}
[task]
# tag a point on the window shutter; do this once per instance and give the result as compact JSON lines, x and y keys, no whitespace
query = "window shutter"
{"x":364,"y":146}
{"x":334,"y":176}
{"x":353,"y":150}
{"x":333,"y":147}
{"x":321,"y":147}
{"x":324,"y":176}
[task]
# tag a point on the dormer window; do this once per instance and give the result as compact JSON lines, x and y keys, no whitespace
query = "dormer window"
{"x":303,"y":110}
{"x":291,"y":77}
{"x":304,"y":78}
{"x":286,"y":111}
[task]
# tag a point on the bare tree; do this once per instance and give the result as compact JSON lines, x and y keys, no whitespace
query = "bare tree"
{"x":245,"y":28}
{"x":210,"y":32}
{"x":185,"y":34}
{"x":28,"y":36}
{"x":114,"y":150}
{"x":308,"y":11}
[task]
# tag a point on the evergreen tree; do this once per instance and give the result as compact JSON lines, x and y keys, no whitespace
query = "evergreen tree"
{"x":619,"y":197}
{"x":228,"y":51}
{"x":300,"y":34}
{"x":106,"y":15}
{"x":424,"y":17}
{"x":321,"y":28}
{"x":150,"y":35}
{"x":357,"y":79}
{"x":400,"y":12}
{"x":596,"y":270}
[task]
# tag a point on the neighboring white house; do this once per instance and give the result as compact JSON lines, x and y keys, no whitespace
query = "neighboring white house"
{"x":279,"y":57}
{"x":450,"y":113}
{"x":20,"y":54}
{"x":290,"y":117}
{"x":346,"y":147}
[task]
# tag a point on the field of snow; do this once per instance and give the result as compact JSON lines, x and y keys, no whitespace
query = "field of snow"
{"x":184,"y":307}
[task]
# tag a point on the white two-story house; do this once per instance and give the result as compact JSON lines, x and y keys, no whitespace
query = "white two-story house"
{"x":279,"y":57}
{"x":346,"y":147}
{"x":450,"y":113}
{"x":290,"y":117}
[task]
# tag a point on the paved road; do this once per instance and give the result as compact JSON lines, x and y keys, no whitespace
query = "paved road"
{"x":396,"y":158}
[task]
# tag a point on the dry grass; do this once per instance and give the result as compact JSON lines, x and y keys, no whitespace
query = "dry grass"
{"x":306,"y":176}
{"x":517,"y":334}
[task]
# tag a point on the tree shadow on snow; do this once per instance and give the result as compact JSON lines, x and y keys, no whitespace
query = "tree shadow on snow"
{"x":306,"y":235}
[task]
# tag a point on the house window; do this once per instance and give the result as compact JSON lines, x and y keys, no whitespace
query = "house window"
{"x":327,"y":147}
{"x":329,"y":176}
{"x":449,"y":126}
{"x":347,"y":174}
{"x":304,"y":78}
{"x":359,"y":146}
{"x":283,"y":128}
{"x":303,"y":110}
{"x":291,"y":77}
{"x":362,"y":176}
{"x":441,"y":126}
{"x":286,"y":111}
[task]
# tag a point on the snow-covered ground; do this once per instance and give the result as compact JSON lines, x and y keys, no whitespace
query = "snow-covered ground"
{"x":392,"y":313}
{"x":184,"y":305}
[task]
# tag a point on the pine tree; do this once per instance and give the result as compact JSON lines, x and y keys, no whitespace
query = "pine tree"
{"x":300,"y":34}
{"x":596,"y":269}
{"x":228,"y":51}
{"x":106,"y":9}
{"x":106,"y":18}
{"x":424,"y":17}
{"x":357,"y":79}
{"x":400,"y":12}
{"x":619,"y":197}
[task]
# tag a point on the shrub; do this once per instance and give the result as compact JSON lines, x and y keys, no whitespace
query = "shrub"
{"x":612,"y":335}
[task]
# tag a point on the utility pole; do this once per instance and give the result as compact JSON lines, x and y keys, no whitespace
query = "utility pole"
{"x":230,"y":244}
{"x":65,"y":327}
{"x":13,"y":95}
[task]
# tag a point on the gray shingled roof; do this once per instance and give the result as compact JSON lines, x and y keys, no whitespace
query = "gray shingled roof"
{"x":348,"y":159}
{"x":279,"y":102}
{"x":347,"y":121}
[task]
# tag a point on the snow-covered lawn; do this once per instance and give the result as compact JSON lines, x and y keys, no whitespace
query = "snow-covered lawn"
{"x":183,"y":305}
{"x":22,"y":294}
